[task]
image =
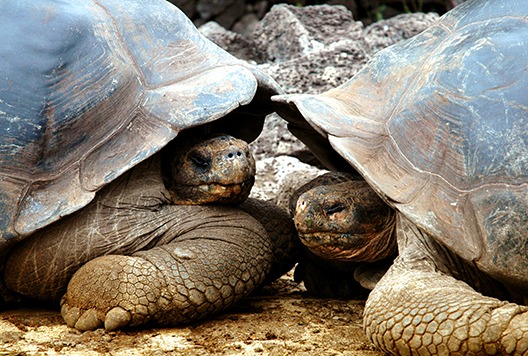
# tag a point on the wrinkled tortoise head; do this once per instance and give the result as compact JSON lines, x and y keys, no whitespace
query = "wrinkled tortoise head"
{"x":219,"y":169}
{"x":340,"y":218}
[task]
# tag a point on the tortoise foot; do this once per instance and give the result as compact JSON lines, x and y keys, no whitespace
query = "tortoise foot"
{"x":113,"y":292}
{"x":171,"y":284}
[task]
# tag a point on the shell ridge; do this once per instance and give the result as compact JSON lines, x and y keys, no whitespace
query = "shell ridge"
{"x":117,"y":32}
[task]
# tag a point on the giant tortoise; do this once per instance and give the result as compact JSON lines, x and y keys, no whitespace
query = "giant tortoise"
{"x":101,"y":103}
{"x":438,"y":127}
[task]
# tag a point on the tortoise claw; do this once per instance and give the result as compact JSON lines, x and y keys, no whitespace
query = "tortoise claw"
{"x":117,"y":318}
{"x":70,"y":315}
{"x":100,"y":291}
{"x":87,"y":320}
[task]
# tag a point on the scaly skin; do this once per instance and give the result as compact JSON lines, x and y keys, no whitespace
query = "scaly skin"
{"x":416,"y":308}
{"x":427,"y":313}
{"x":428,"y":303}
{"x":204,"y":271}
{"x":218,"y":170}
{"x":159,"y":263}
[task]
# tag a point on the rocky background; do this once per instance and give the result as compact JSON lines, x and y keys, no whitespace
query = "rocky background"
{"x":242,"y":15}
{"x":306,"y":49}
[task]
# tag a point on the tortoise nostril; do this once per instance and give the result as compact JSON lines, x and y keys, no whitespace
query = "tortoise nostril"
{"x":235,"y":154}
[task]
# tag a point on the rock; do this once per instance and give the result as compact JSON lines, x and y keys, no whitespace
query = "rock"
{"x":275,"y":140}
{"x":384,"y":33}
{"x":232,"y":42}
{"x":241,"y":15}
{"x":225,"y":12}
{"x":288,"y":32}
{"x":315,"y":48}
{"x":309,"y":50}
{"x":286,"y":172}
{"x":246,"y":25}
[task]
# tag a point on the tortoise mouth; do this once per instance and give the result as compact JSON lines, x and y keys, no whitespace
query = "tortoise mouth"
{"x":209,"y":193}
{"x":349,"y":247}
{"x":225,"y":191}
{"x":335,"y":246}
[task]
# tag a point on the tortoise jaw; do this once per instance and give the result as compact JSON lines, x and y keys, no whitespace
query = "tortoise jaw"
{"x":367,"y":247}
{"x":212,"y":193}
{"x":334,"y":246}
{"x":219,"y":169}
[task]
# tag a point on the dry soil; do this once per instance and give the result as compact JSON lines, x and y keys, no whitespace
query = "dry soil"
{"x":281,"y":319}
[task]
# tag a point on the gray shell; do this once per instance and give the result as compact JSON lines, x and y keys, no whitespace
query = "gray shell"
{"x":438,"y":125}
{"x":89,"y":89}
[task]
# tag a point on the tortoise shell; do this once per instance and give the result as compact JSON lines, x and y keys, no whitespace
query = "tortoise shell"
{"x":438,"y":125}
{"x":89,"y":89}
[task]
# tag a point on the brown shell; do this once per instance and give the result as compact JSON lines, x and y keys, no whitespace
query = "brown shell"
{"x":438,"y":125}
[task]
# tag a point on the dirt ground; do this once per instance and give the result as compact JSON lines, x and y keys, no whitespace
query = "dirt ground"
{"x":281,"y":319}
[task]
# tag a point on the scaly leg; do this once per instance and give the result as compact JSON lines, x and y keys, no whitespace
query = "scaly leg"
{"x":204,"y":271}
{"x":416,"y":309}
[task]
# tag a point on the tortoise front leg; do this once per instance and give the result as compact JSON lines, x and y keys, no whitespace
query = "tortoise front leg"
{"x":146,"y":260}
{"x":416,"y":309}
{"x":205,"y":270}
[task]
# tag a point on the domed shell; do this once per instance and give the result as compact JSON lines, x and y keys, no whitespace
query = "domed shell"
{"x":438,"y":125}
{"x":88,"y":89}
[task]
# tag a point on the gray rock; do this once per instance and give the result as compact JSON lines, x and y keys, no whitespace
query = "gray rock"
{"x":278,"y":177}
{"x":309,"y":50}
{"x":225,"y":12}
{"x":289,"y":32}
{"x":315,"y":48}
{"x":384,"y":33}
{"x":232,"y":42}
{"x":275,"y":140}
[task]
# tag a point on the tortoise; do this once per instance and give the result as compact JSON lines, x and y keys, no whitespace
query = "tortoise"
{"x":108,"y":108}
{"x":437,"y":125}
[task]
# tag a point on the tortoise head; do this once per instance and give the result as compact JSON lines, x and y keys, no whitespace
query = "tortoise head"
{"x":214,"y":169}
{"x":346,"y":221}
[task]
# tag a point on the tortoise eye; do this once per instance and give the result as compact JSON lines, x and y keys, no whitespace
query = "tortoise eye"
{"x":335,"y":208}
{"x":200,"y":161}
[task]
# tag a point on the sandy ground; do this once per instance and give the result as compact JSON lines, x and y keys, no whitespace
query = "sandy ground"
{"x":281,"y":319}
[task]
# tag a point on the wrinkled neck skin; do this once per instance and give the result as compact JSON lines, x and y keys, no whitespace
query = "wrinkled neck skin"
{"x":371,"y":247}
{"x":420,"y":251}
{"x":208,"y":170}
